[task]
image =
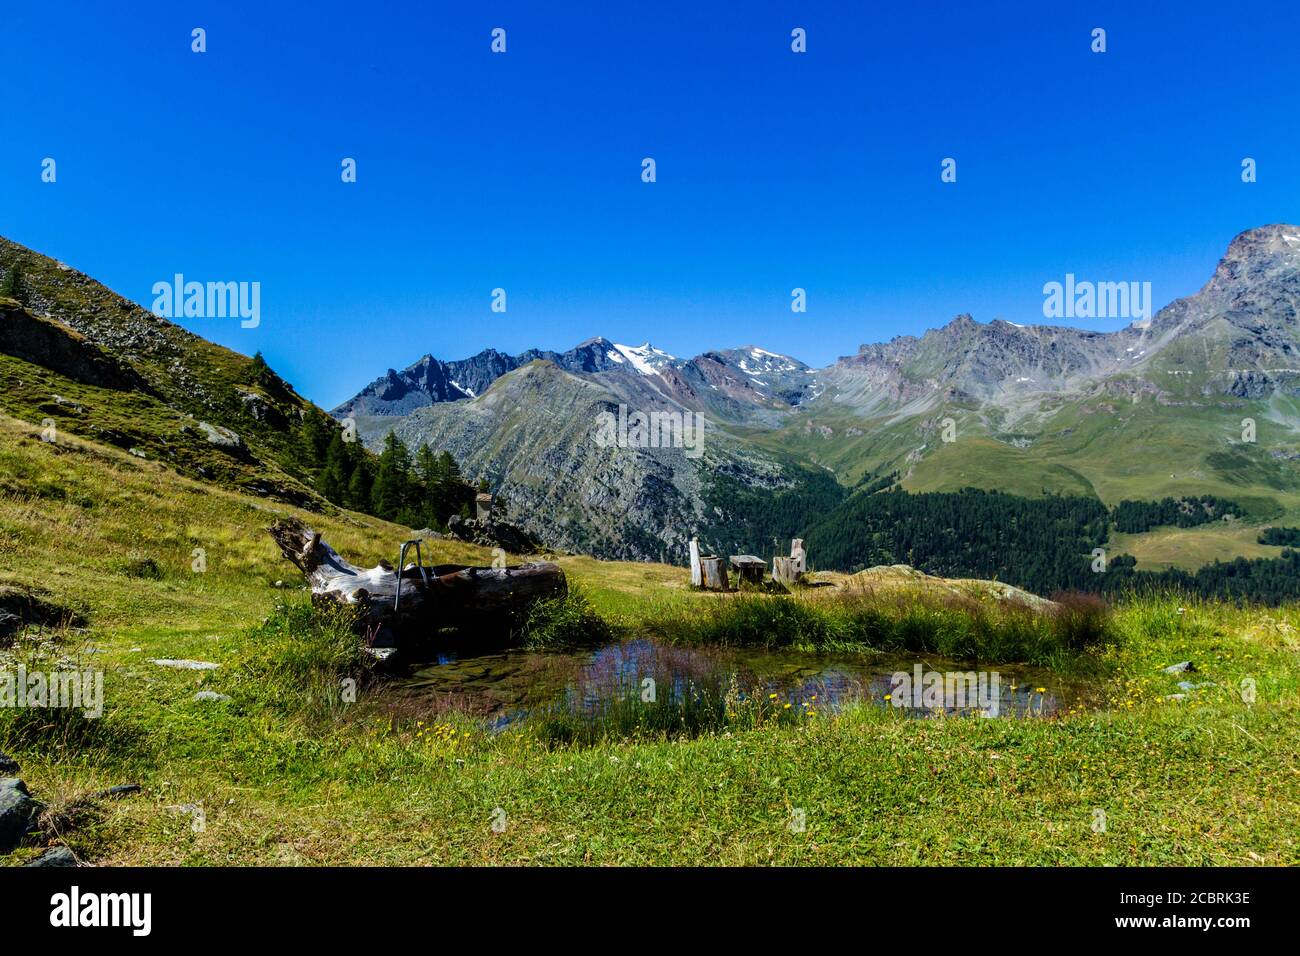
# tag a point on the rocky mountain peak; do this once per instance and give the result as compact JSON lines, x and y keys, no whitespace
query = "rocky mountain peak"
{"x":1247,"y":308}
{"x":1257,"y":256}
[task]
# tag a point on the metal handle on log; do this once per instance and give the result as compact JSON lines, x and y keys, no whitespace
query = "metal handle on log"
{"x":401,"y":563}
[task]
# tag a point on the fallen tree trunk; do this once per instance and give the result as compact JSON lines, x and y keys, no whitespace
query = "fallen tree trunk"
{"x":433,"y":597}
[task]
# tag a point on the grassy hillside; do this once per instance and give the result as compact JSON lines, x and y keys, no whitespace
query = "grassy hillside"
{"x":286,"y":777}
{"x":204,"y":410}
{"x":99,"y":527}
{"x":1109,"y":447}
{"x":1163,"y":548}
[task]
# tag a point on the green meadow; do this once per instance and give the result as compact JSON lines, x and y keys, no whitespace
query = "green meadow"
{"x":289,"y":771}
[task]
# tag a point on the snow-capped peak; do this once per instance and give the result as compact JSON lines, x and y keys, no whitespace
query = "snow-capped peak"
{"x":765,"y":361}
{"x":645,"y":358}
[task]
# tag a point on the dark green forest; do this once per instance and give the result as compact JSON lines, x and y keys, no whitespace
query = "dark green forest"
{"x":420,"y":490}
{"x":1038,"y":543}
{"x":1134,"y":517}
{"x":1258,"y":580}
{"x":1041,"y":544}
{"x":762,"y":521}
{"x":1287,"y":537}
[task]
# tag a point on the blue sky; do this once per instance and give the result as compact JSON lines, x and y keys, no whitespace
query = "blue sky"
{"x":522,"y":170}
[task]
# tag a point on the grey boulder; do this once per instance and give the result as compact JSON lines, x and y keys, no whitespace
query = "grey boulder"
{"x":17,"y":813}
{"x":57,"y":856}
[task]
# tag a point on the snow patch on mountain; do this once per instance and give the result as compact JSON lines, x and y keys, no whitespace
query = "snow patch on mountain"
{"x":767,"y":361}
{"x":645,"y":358}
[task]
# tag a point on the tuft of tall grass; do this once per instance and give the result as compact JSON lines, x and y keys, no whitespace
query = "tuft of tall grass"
{"x":679,"y":710}
{"x":1081,"y":620}
{"x":954,"y":626}
{"x":299,"y":657}
{"x":68,"y":732}
{"x":564,"y":621}
{"x":143,"y":568}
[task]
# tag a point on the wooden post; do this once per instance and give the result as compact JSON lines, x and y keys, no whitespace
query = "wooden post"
{"x":714,"y":573}
{"x":797,"y":554}
{"x":786,"y":570}
{"x":696,"y":579}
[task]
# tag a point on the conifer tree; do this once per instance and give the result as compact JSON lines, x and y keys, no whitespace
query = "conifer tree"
{"x":391,"y":492}
{"x":314,"y":438}
{"x":333,"y":477}
{"x":359,"y":487}
{"x":426,"y":470}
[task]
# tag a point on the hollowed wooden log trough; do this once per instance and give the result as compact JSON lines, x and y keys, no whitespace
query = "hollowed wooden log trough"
{"x":434,"y":598}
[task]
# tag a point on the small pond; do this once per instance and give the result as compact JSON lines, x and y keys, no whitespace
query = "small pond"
{"x":642,"y":675}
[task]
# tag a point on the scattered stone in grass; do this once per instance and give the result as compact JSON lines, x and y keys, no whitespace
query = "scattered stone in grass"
{"x":1185,"y":667}
{"x":1188,"y":685}
{"x":18,"y":813}
{"x":8,"y":765}
{"x":56,"y":856}
{"x":221,"y":437}
{"x":1175,"y":697}
{"x":121,"y":790}
{"x":182,"y":664}
{"x":210,"y":695}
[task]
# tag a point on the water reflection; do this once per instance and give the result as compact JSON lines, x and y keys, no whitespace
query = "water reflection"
{"x":509,"y":685}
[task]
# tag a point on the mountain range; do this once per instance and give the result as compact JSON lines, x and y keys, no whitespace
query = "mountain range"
{"x":1156,"y":408}
{"x":1201,"y":399}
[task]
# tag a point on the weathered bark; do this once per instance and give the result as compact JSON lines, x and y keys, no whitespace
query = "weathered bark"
{"x":714,"y":572}
{"x":454,"y":594}
{"x":787,"y":570}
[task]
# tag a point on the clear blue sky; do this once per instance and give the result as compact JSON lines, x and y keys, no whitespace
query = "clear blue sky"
{"x":522,"y":170}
